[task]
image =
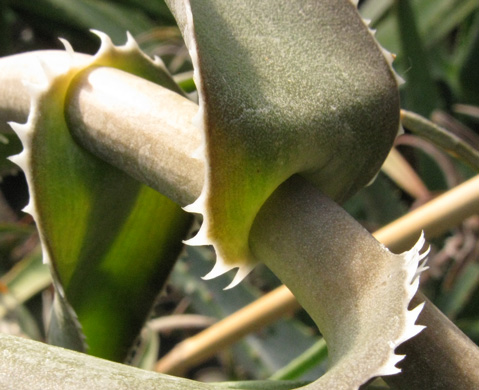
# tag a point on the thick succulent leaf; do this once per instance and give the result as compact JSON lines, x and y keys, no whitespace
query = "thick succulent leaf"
{"x":111,"y":241}
{"x":296,"y":228}
{"x":290,"y":88}
{"x":353,"y":287}
{"x":285,"y":87}
{"x":27,"y":365}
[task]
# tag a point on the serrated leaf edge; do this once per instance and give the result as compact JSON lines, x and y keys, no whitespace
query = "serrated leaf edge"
{"x":25,"y":132}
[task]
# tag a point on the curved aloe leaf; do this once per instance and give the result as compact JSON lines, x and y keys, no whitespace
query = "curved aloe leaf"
{"x":33,"y":365}
{"x":110,"y":240}
{"x":354,"y":288}
{"x":302,"y":87}
{"x":285,"y":87}
{"x":295,"y":225}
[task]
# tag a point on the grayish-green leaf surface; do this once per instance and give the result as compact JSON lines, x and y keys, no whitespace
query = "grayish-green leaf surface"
{"x":110,"y":240}
{"x":285,"y":87}
{"x":291,"y":219}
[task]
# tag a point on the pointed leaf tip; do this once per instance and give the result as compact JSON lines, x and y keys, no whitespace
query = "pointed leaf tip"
{"x":242,"y":166}
{"x":131,"y":42}
{"x":218,"y":269}
{"x":243,"y":272}
{"x":128,"y":212}
{"x":67,"y":45}
{"x":200,"y":239}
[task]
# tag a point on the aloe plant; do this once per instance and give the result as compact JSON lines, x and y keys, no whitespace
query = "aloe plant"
{"x":298,"y":109}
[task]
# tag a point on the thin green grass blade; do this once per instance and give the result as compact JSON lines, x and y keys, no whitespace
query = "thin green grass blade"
{"x":435,"y":20}
{"x":315,"y":355}
{"x":421,"y":94}
{"x":156,"y":8}
{"x":452,"y":302}
{"x":441,"y":18}
{"x":469,"y":74}
{"x":82,"y":15}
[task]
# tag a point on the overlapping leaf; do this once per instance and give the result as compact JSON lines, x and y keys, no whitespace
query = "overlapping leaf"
{"x":318,"y":98}
{"x":110,"y":240}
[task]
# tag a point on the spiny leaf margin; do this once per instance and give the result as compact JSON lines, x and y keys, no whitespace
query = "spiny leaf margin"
{"x":81,"y":179}
{"x":261,"y":115}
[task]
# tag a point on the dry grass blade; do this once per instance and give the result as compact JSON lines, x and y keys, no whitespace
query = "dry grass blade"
{"x":398,"y":169}
{"x":434,"y":218}
{"x":467,"y":109}
{"x":255,"y":316}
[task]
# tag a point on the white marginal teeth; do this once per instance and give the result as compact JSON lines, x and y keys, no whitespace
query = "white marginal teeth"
{"x":199,"y":153}
{"x":19,"y":160}
{"x":47,"y":76}
{"x":106,"y":44}
{"x":389,"y":57}
{"x":198,"y":206}
{"x":414,"y":261}
{"x":390,"y":367}
{"x":413,"y":315}
{"x":23,"y":131}
{"x":29,"y":208}
{"x":219,"y":268}
{"x":242,"y":272}
{"x":131,"y":42}
{"x":159,"y":62}
{"x":46,"y":257}
{"x":67,"y":45}
{"x":105,"y":39}
{"x":200,"y":239}
{"x":193,"y":208}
